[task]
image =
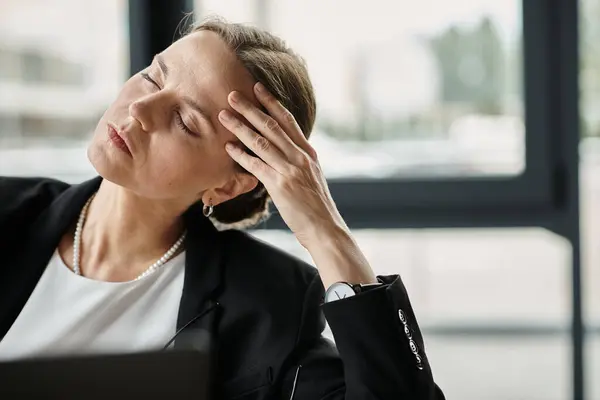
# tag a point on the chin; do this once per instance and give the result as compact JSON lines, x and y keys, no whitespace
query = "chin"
{"x":105,"y":163}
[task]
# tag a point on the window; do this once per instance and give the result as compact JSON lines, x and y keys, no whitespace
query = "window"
{"x":589,"y":80}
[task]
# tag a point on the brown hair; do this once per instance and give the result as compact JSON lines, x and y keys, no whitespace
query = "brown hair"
{"x":284,"y":73}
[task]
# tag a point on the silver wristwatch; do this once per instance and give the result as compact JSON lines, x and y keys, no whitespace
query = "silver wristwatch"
{"x":343,"y":290}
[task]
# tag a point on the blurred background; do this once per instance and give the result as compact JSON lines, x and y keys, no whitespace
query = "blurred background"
{"x":427,"y":91}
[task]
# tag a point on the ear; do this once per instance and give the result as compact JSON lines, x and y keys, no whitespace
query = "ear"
{"x":241,"y":182}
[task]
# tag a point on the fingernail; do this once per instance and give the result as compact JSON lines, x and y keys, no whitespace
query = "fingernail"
{"x":260,"y":88}
{"x":225,"y":115}
{"x":235,"y":97}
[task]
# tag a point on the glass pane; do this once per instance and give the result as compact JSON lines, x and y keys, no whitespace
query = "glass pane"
{"x":589,"y":79}
{"x":480,"y":296}
{"x":404,"y":91}
{"x":501,"y":368}
{"x":590,"y":229}
{"x":61,"y":64}
{"x":590,"y":236}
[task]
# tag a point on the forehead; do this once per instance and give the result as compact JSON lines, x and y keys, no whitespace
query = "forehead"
{"x":206,"y":69}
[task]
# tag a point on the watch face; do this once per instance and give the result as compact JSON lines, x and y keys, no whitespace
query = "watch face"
{"x":339,"y":291}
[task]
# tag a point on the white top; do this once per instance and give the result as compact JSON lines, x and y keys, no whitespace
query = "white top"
{"x":68,"y":313}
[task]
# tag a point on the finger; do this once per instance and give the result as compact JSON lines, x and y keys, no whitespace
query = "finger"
{"x":265,"y":124}
{"x":283,"y":116}
{"x":259,"y":144}
{"x":253,"y":165}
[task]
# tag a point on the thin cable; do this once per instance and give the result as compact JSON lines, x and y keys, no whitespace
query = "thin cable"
{"x":202,"y":314}
{"x":295,"y":381}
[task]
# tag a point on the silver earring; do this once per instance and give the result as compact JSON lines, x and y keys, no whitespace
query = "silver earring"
{"x":208,"y":210}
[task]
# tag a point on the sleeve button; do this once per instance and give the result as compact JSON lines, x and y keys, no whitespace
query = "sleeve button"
{"x":413,"y":346}
{"x":402,"y":316}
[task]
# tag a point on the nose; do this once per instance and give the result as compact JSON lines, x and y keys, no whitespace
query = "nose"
{"x":140,"y":111}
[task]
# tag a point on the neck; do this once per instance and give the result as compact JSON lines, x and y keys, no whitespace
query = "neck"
{"x":124,"y":233}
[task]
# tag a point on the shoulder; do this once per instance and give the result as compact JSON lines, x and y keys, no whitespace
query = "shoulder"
{"x":267,"y":261}
{"x":14,"y":190}
{"x":22,"y":199}
{"x":27,"y":194}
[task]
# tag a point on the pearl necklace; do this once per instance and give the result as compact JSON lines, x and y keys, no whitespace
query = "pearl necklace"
{"x":77,"y":246}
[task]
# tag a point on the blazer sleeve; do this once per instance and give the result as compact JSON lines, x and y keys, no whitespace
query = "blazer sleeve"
{"x":380,"y":352}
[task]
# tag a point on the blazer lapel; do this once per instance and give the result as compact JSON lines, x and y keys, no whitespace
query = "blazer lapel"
{"x":30,"y":261}
{"x":198,"y":309}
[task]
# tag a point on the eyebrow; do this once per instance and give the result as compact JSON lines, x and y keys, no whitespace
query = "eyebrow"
{"x":162,"y":65}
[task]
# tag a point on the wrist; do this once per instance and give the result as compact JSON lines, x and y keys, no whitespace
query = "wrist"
{"x":338,"y":257}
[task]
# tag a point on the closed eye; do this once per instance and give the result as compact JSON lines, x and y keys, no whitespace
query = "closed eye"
{"x":178,"y":117}
{"x":149,"y":79}
{"x":182,"y":124}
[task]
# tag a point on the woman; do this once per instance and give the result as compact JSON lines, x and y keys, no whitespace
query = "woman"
{"x":132,"y":261}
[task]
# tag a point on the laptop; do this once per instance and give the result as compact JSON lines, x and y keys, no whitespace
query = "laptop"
{"x":151,"y":375}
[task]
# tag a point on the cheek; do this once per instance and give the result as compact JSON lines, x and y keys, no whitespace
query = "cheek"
{"x":211,"y":164}
{"x":185,"y":165}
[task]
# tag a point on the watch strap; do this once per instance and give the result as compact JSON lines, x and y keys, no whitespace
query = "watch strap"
{"x":360,"y":288}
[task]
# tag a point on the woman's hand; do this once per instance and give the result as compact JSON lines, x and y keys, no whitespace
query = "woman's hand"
{"x":288,"y":167}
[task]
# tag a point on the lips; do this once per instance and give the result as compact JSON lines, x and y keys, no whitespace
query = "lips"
{"x":117,"y":139}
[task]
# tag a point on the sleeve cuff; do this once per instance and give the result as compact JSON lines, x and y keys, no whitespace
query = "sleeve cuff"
{"x":382,"y":312}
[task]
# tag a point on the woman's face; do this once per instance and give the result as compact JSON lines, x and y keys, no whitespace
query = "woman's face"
{"x":173,"y":146}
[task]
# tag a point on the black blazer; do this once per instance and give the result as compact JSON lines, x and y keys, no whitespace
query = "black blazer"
{"x":258,"y":309}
